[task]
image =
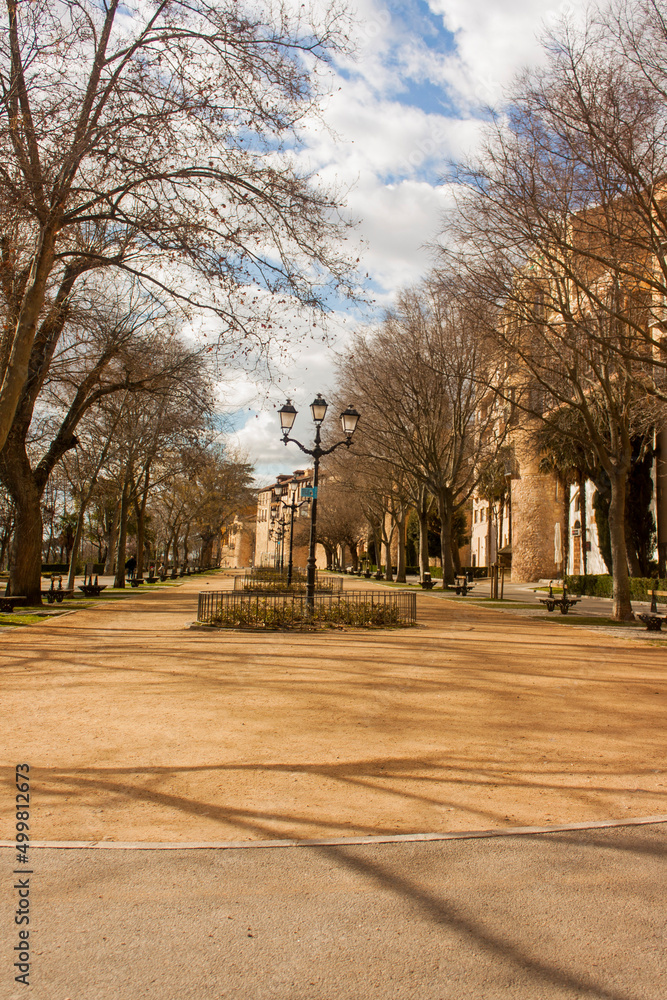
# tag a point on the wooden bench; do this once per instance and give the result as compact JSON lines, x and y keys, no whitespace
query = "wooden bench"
{"x":91,"y":589}
{"x":563,"y":603}
{"x":56,"y":594}
{"x":7,"y":604}
{"x":652,"y":619}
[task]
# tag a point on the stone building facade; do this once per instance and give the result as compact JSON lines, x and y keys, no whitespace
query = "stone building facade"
{"x":274,"y":523}
{"x":548,"y":529}
{"x":237,"y":548}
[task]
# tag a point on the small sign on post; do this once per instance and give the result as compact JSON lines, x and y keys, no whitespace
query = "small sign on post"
{"x":309,"y":492}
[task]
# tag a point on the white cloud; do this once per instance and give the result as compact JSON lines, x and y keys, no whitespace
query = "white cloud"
{"x":260,"y":439}
{"x":404,"y":107}
{"x":379,"y":136}
{"x":398,"y":221}
{"x":494,"y":41}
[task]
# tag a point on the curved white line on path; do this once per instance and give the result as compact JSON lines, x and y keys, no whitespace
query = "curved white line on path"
{"x":402,"y":838}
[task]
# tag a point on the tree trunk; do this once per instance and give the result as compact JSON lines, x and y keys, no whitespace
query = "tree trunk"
{"x":377,"y":541}
{"x":423,"y":543}
{"x":400,"y":561}
{"x":119,"y":580}
{"x":25,"y":575}
{"x":25,"y":572}
{"x":109,"y":566}
{"x":446,"y":541}
{"x":621,"y":578}
{"x":140,"y":511}
{"x":167,"y":549}
{"x":388,"y":575}
{"x":77,"y":542}
{"x":6,"y":535}
{"x":206,"y":552}
{"x":456,"y":557}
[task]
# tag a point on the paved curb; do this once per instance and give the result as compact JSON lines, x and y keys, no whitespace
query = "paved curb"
{"x":226,"y":845}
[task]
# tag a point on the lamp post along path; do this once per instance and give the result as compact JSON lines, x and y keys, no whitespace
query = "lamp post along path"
{"x":292,"y":507}
{"x":349,"y":419}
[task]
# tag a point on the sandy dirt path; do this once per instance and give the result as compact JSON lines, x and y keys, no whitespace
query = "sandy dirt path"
{"x":138,"y":728}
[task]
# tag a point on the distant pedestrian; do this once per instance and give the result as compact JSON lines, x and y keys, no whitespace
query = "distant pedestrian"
{"x":130,"y":567}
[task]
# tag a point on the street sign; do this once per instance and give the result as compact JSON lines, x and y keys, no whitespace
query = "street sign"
{"x":309,"y":492}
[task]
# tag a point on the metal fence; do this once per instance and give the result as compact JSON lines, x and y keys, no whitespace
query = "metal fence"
{"x":355,"y":608}
{"x":276,"y":583}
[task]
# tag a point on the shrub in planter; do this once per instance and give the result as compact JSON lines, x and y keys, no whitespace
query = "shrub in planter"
{"x":273,"y":614}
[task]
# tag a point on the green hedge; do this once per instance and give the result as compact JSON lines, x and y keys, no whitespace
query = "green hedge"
{"x":478,"y":572}
{"x":288,"y":616}
{"x":594,"y":585}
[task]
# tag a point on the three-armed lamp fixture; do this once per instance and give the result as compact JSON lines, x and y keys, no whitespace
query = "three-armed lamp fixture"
{"x":348,"y":419}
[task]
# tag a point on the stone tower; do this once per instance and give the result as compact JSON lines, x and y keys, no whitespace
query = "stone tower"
{"x":537,"y":516}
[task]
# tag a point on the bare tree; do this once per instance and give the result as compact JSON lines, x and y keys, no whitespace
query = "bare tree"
{"x":155,"y":144}
{"x":340,"y":518}
{"x":548,"y":230}
{"x":429,"y":398}
{"x":102,"y":355}
{"x":158,"y":428}
{"x":213,"y":487}
{"x":82,"y":466}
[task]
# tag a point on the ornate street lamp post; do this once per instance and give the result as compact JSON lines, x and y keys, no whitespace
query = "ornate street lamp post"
{"x":348,"y":419}
{"x":277,"y":533}
{"x":292,"y":506}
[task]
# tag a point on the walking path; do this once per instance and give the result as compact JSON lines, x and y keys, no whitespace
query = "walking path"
{"x":140,"y":729}
{"x":551,"y":917}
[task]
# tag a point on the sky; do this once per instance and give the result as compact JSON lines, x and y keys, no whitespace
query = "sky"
{"x":410,"y":101}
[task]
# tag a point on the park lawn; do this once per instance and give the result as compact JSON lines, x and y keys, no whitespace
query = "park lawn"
{"x":31,"y":618}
